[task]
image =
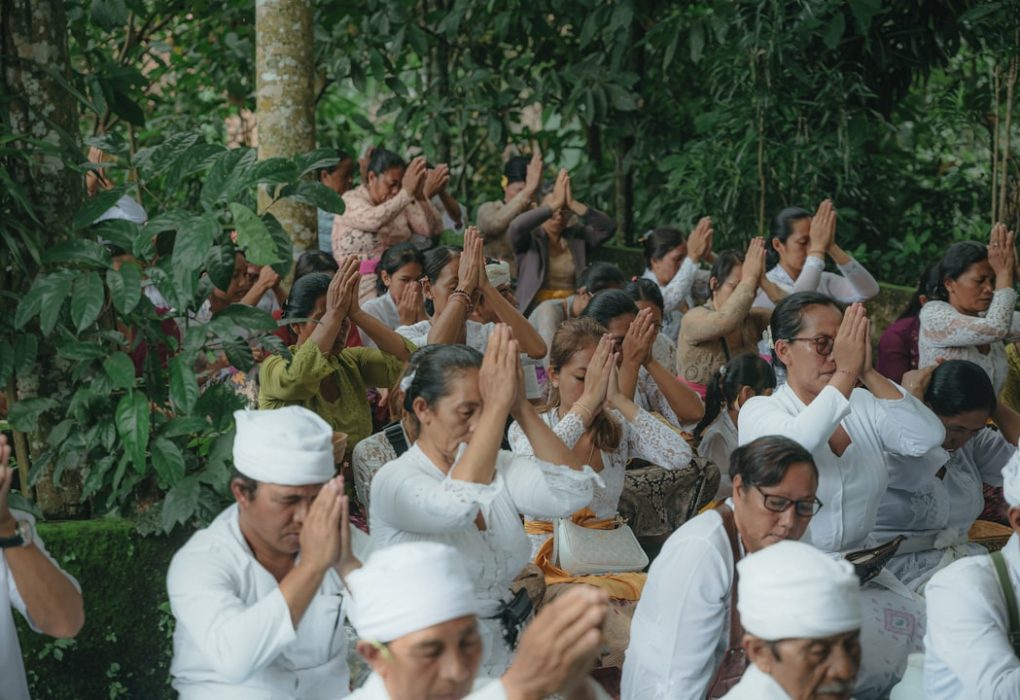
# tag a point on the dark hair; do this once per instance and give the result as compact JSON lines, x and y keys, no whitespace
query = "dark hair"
{"x":788,"y":317}
{"x":607,"y":305}
{"x":314,"y":261}
{"x":435,"y":260}
{"x":724,"y":263}
{"x":765,"y":461}
{"x":925,"y":287}
{"x":743,"y":370}
{"x":435,"y":366}
{"x":341,"y":156}
{"x":642,"y":289}
{"x":516,"y":169}
{"x":305,"y":293}
{"x":959,"y":386}
{"x":383,"y":160}
{"x":394,"y":258}
{"x":248,"y":485}
{"x":599,"y":276}
{"x":782,"y":227}
{"x":659,"y":241}
{"x":955,"y":262}
{"x":571,"y":337}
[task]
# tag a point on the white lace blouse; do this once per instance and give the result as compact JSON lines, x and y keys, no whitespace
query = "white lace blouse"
{"x":919,"y":504}
{"x":948,"y":334}
{"x":849,"y":485}
{"x":413,"y":501}
{"x":717,"y":444}
{"x":646,"y":438}
{"x":853,"y":284}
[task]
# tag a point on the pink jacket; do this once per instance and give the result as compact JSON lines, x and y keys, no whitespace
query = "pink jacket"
{"x":366,"y":229}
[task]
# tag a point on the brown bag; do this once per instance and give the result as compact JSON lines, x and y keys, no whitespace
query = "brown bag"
{"x":734,"y":661}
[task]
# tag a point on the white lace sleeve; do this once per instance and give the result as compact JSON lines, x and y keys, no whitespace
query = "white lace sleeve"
{"x":679,"y":288}
{"x":651,"y":398}
{"x":942,"y":326}
{"x":412,"y":501}
{"x":650,"y":439}
{"x":569,"y":430}
{"x":544,"y":490}
{"x":856,"y":284}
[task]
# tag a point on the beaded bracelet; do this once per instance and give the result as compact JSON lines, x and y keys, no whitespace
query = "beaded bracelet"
{"x":460,"y":293}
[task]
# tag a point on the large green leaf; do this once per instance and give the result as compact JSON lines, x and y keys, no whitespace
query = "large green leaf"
{"x":26,"y":348}
{"x":6,"y":362}
{"x":93,"y":208}
{"x":308,"y":163}
{"x":219,"y":264}
{"x":120,"y":369}
{"x":227,"y":321}
{"x":228,"y":174}
{"x":168,"y":460}
{"x":316,"y":194}
{"x":253,"y":237}
{"x":120,"y":232}
{"x":125,"y":287}
{"x":78,"y":252}
{"x":56,"y":288}
{"x":273,"y":171}
{"x":24,"y":413}
{"x":87,"y":296}
{"x":132,"y":418}
{"x":183,"y":384}
{"x":193,"y":160}
{"x":180,"y":503}
{"x":81,"y":350}
{"x":193,"y":242}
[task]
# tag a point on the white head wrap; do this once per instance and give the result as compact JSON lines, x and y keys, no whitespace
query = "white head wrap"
{"x":127,"y":209}
{"x":1011,"y":480}
{"x":409,"y":587}
{"x":290,"y":446}
{"x":792,"y":590}
{"x":498,"y":273}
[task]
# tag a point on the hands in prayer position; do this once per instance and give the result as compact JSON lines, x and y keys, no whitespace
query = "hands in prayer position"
{"x":1002,"y":255}
{"x":699,"y":243}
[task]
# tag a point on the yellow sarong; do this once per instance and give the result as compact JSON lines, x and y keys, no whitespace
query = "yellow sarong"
{"x":625,"y":586}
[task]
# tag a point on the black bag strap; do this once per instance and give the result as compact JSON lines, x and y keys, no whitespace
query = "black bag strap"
{"x":1007,"y":592}
{"x":394,"y":433}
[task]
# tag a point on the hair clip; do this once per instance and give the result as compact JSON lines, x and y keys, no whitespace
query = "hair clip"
{"x":646,"y":235}
{"x":405,"y":383}
{"x":767,"y":337}
{"x":504,"y":181}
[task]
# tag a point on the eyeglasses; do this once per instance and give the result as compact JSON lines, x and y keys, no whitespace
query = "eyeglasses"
{"x":780,"y":504}
{"x":822,"y":343}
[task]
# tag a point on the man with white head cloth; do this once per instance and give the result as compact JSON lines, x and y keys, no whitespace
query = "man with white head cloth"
{"x":971,"y":644}
{"x":414,"y":608}
{"x":257,"y":595}
{"x":801,"y":613}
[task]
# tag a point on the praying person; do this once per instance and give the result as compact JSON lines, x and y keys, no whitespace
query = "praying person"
{"x":257,"y":596}
{"x":520,"y":182}
{"x":801,"y":613}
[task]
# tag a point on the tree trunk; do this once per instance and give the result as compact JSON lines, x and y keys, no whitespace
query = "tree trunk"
{"x":34,"y":47}
{"x":285,"y":101}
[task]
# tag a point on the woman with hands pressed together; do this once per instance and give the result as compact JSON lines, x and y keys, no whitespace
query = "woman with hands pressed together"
{"x":674,"y":265}
{"x":851,"y":433}
{"x":550,"y":251}
{"x":634,"y":333}
{"x":726,"y":326}
{"x":454,"y":282}
{"x":972,"y":311}
{"x":323,"y":375}
{"x":796,"y":250}
{"x":456,"y":486}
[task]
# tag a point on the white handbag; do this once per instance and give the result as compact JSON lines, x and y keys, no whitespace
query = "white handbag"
{"x":581,"y":551}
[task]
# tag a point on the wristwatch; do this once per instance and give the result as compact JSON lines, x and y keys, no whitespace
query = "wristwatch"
{"x":22,"y":537}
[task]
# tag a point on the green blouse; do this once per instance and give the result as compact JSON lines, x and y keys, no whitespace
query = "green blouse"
{"x":296,"y":382}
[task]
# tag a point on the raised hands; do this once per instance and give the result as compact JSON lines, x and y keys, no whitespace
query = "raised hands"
{"x":822,"y":235}
{"x":851,"y":348}
{"x":498,"y":379}
{"x":411,"y":304}
{"x":596,"y":380}
{"x":753,"y":269}
{"x":471,"y":268}
{"x":558,"y":199}
{"x":699,"y":243}
{"x":414,"y":178}
{"x":436,"y":179}
{"x":342,"y":295}
{"x":321,"y":539}
{"x":1002,"y":255}
{"x":637,"y":344}
{"x":533,"y":178}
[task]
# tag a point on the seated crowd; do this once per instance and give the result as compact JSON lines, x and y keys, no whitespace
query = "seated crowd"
{"x":516,"y":471}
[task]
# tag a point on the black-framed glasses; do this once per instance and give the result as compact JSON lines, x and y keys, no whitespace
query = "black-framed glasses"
{"x":780,"y":504}
{"x":821,"y":343}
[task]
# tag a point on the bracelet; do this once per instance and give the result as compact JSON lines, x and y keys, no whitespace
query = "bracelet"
{"x":847,"y":372}
{"x":587,"y":411}
{"x":461,"y":294}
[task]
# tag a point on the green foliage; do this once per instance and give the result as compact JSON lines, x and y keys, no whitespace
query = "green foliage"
{"x":130,"y":414}
{"x":123,"y":576}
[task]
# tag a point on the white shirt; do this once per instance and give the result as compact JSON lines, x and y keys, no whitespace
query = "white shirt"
{"x":854,"y":284}
{"x":756,"y":685}
{"x":413,"y":501}
{"x":718,"y":441}
{"x":676,"y":292}
{"x":477,"y":335}
{"x":13,"y":684}
{"x":680,"y":629}
{"x":483,"y":689}
{"x":947,"y":334}
{"x":939,"y":511}
{"x":967,"y":651}
{"x":234,"y":638}
{"x":384,"y":309}
{"x":851,"y":485}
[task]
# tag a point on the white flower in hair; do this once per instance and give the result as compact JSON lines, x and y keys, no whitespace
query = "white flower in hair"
{"x":767,"y":337}
{"x":406,"y":382}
